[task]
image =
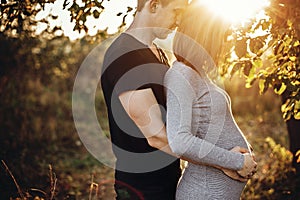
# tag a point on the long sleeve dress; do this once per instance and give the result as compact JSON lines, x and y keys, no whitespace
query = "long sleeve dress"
{"x":200,"y":126}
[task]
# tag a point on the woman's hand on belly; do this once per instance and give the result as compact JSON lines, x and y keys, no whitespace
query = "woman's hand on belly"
{"x":232,"y":173}
{"x":249,"y":167}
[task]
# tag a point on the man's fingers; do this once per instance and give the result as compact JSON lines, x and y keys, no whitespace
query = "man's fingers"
{"x":234,"y":175}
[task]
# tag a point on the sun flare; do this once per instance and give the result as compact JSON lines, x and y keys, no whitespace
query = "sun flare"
{"x":236,"y":11}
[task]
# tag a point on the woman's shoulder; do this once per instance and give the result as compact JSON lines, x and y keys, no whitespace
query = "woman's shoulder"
{"x":181,"y":75}
{"x":179,"y":68}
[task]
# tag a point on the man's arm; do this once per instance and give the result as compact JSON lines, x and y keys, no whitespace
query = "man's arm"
{"x":143,"y":109}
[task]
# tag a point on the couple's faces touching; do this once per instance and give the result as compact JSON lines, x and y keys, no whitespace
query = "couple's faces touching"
{"x":166,"y":17}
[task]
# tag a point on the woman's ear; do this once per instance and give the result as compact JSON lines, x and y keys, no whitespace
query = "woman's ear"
{"x":153,"y":5}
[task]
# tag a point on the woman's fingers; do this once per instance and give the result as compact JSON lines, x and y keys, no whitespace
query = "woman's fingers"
{"x":249,"y":166}
{"x":239,"y":149}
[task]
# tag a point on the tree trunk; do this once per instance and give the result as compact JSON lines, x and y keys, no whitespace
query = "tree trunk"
{"x":293,"y":127}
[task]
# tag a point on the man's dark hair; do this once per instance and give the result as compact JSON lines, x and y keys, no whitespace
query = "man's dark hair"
{"x":141,"y":3}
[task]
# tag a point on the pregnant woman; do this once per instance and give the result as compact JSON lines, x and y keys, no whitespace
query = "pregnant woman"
{"x":200,"y":125}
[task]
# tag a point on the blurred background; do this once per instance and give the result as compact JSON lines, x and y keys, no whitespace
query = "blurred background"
{"x":42,"y":45}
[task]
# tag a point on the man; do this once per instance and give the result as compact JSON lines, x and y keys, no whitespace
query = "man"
{"x":132,"y":83}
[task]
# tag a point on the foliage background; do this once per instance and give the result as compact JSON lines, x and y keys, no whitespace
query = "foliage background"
{"x":37,"y":128}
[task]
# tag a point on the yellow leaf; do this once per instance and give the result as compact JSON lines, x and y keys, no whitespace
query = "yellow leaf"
{"x":257,"y":63}
{"x":281,"y":90}
{"x":298,"y":155}
{"x":295,"y":83}
{"x":261,"y":85}
{"x":297,"y":43}
{"x":289,"y":23}
{"x":293,"y":58}
{"x":297,"y":105}
{"x":248,"y":85}
{"x":286,"y":106}
{"x":271,"y":191}
{"x":297,"y":116}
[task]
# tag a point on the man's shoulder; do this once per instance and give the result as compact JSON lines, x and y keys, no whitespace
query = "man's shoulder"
{"x":121,"y":46}
{"x":125,"y":42}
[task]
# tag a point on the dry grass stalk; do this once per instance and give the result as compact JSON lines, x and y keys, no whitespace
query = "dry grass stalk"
{"x":15,"y":181}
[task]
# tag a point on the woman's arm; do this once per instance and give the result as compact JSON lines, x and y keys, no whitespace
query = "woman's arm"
{"x":180,"y":95}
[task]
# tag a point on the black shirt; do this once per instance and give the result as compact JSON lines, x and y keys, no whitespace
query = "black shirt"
{"x":131,"y":65}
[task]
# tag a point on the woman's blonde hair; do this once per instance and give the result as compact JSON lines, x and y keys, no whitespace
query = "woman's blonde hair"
{"x":200,"y":36}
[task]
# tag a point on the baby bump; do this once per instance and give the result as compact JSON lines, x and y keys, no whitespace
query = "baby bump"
{"x":209,"y":182}
{"x":231,"y":137}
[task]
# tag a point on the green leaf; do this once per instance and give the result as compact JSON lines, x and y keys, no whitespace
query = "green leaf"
{"x":250,"y":81}
{"x":257,"y":63}
{"x":83,"y":18}
{"x":96,"y":14}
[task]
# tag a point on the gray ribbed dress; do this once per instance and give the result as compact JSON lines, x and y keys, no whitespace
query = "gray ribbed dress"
{"x":200,"y":126}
